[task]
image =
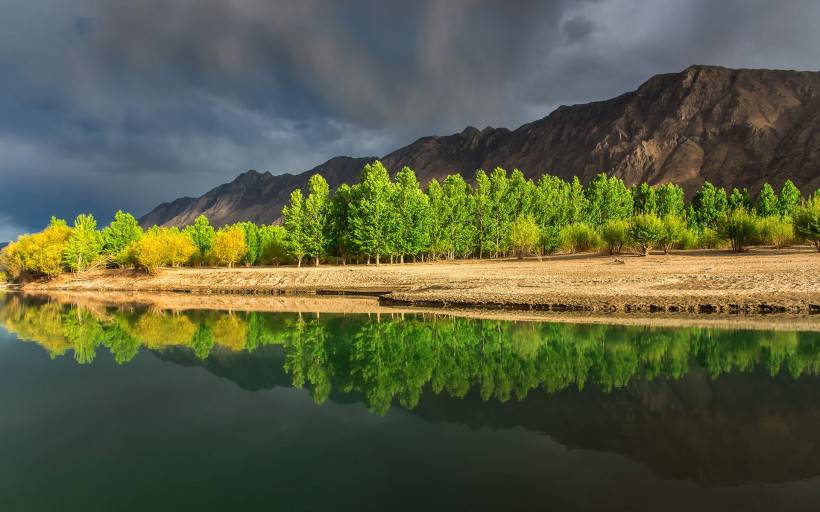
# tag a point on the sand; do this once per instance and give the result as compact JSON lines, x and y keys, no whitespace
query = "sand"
{"x":691,"y":282}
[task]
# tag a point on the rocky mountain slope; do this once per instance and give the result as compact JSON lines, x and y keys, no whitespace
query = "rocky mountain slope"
{"x":733,"y":127}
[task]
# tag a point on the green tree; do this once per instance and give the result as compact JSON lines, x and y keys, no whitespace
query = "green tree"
{"x":709,"y":205}
{"x":645,"y":231}
{"x":459,"y":216}
{"x":252,"y":242}
{"x":483,"y":211}
{"x":84,"y":245}
{"x":413,"y":215}
{"x":789,"y":198}
{"x":373,"y":219}
{"x":615,"y":233}
{"x":607,"y":198}
{"x":645,"y":199}
{"x":340,"y":242}
{"x":739,"y":227}
{"x":669,"y":200}
{"x":273,"y":245}
{"x":315,"y":218}
{"x":119,"y":235}
{"x":740,"y":199}
{"x":500,"y":208}
{"x":202,"y":235}
{"x":520,"y":195}
{"x":767,"y":204}
{"x":554,"y":206}
{"x":806,"y":218}
{"x":294,"y":221}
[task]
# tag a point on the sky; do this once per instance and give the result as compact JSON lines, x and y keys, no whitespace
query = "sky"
{"x":109,"y":104}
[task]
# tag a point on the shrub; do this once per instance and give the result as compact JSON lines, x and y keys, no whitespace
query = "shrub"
{"x":738,"y":227}
{"x":579,"y":237}
{"x":615,"y":233}
{"x":39,"y":254}
{"x":645,"y":231}
{"x":775,"y":231}
{"x":708,"y":238}
{"x":524,"y":235}
{"x":806,"y":218}
{"x":688,"y":239}
{"x":674,"y":229}
{"x":229,"y":245}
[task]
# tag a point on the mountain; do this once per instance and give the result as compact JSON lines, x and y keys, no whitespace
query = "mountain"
{"x":733,"y":127}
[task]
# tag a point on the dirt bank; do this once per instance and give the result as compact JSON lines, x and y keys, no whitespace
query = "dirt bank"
{"x":693,"y":282}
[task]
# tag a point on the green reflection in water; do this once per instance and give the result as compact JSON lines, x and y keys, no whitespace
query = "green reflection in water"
{"x":393,"y":359}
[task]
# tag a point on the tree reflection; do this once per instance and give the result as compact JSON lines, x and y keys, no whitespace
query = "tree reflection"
{"x":393,"y":360}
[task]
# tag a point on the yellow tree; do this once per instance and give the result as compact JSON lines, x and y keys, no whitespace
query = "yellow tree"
{"x":229,"y":246}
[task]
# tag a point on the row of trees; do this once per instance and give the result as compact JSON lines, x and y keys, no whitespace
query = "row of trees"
{"x":500,"y":214}
{"x":398,"y":357}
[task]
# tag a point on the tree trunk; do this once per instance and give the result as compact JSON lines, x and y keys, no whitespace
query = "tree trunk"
{"x":316,"y":261}
{"x":299,"y":262}
{"x":401,"y":259}
{"x":377,"y":260}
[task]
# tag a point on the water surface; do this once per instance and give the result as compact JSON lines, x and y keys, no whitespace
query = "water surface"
{"x":134,"y":409}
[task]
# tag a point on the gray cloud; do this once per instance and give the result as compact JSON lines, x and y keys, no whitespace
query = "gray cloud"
{"x":126,"y":104}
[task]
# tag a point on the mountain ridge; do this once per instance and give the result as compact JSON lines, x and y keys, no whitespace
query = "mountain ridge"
{"x":733,"y":127}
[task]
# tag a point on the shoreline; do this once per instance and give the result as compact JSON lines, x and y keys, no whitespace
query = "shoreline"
{"x":691,"y":283}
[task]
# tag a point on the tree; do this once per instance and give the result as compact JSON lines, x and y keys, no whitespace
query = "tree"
{"x":373,"y":219}
{"x":315,"y":218}
{"x":458,"y":216}
{"x":709,"y":205}
{"x":38,"y":254}
{"x":554,"y":207}
{"x":579,"y":237}
{"x":767,"y":204}
{"x":607,"y":198}
{"x":413,"y":215}
{"x":84,"y":245}
{"x":645,"y":198}
{"x":229,"y":245}
{"x":669,"y":200}
{"x":524,"y":234}
{"x":645,"y":231}
{"x":615,"y":233}
{"x":806,"y":218}
{"x":499,"y":208}
{"x":789,"y":198}
{"x":294,"y":215}
{"x":340,"y":241}
{"x":483,"y":211}
{"x":273,"y":246}
{"x":179,"y":249}
{"x":674,"y":230}
{"x":739,"y":227}
{"x":520,"y":194}
{"x":159,"y":247}
{"x":740,"y":199}
{"x":251,"y":231}
{"x":118,"y":235}
{"x":202,"y":235}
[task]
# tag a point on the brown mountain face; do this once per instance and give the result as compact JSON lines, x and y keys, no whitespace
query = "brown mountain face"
{"x":732,"y":127}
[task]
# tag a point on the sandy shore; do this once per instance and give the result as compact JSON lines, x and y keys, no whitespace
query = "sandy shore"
{"x":692,"y":282}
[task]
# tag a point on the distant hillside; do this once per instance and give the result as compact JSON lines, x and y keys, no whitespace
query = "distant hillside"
{"x":731,"y":127}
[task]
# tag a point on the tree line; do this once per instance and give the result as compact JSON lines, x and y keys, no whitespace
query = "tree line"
{"x":380,"y":218}
{"x":398,"y":357}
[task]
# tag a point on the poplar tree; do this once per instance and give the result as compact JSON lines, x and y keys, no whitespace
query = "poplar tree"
{"x":483,"y":211}
{"x":458,"y":216}
{"x":608,"y":198}
{"x":84,"y":245}
{"x":645,"y":199}
{"x":669,"y":200}
{"x":520,"y":194}
{"x":118,"y":235}
{"x":767,"y":202}
{"x":740,"y":199}
{"x":438,"y":219}
{"x":372,"y":216}
{"x":202,"y":235}
{"x":293,"y":218}
{"x":315,"y":218}
{"x":413,"y":215}
{"x":499,"y":208}
{"x":337,"y":226}
{"x":709,"y":205}
{"x":789,"y":199}
{"x":251,"y":231}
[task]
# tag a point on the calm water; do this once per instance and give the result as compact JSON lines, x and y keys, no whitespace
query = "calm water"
{"x":147,"y":410}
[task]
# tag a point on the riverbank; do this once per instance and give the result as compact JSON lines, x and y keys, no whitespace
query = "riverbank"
{"x":692,"y":282}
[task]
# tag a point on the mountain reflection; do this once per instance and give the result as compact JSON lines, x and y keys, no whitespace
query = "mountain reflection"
{"x":396,"y":359}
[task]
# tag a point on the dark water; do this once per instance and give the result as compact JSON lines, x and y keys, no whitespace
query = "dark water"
{"x":144,"y":410}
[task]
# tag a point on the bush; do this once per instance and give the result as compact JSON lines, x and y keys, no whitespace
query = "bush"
{"x":229,"y":246}
{"x":738,"y":227}
{"x":688,"y":239}
{"x":615,"y":233}
{"x":674,"y":229}
{"x":40,"y":254}
{"x":775,"y":231}
{"x":160,"y":247}
{"x":806,"y":218}
{"x":579,"y":237}
{"x":708,"y":238}
{"x":524,"y":235}
{"x":645,"y":231}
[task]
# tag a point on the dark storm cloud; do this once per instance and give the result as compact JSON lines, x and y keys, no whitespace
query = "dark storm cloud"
{"x":117,"y":103}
